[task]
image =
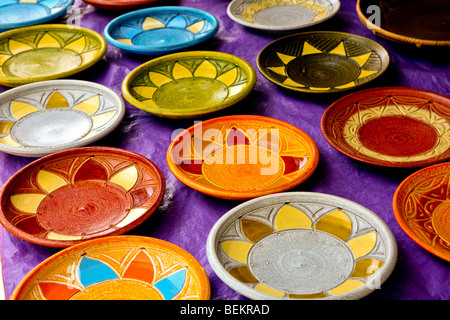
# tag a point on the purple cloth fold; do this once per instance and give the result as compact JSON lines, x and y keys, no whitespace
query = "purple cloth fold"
{"x":186,"y":216}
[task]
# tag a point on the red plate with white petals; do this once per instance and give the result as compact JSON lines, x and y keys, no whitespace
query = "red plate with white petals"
{"x":242,"y":157}
{"x":80,"y":194}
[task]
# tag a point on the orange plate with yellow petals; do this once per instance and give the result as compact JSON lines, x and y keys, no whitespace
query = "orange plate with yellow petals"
{"x":47,"y":52}
{"x":80,"y":194}
{"x":302,"y":245}
{"x":242,"y":157}
{"x":422,"y":208}
{"x":117,"y":268}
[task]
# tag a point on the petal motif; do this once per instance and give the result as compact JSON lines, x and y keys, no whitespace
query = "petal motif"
{"x":131,"y":216}
{"x":57,"y":291}
{"x":179,"y":72}
{"x":56,"y":100}
{"x":292,"y":164}
{"x":90,"y":106}
{"x":206,"y":70}
{"x":263,"y":288}
{"x":47,"y":41}
{"x":366,"y":267}
{"x":21,"y":109}
{"x":362,"y":245}
{"x":177,"y":22}
{"x":237,"y":250}
{"x":152,"y":23}
{"x":255,"y":230}
{"x":289,"y":217}
{"x":336,"y":223}
{"x":92,"y":271}
{"x":243,"y":274}
{"x":236,"y":137}
{"x":126,"y":178}
{"x":91,"y":170}
{"x":49,"y":181}
{"x":172,"y":285}
{"x":347,"y":286}
{"x":196,"y":27}
{"x":229,"y":77}
{"x":27,"y":202}
{"x":141,"y":268}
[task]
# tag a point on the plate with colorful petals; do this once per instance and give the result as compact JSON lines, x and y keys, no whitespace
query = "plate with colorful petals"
{"x":322,"y":61}
{"x":23,"y":13}
{"x":242,"y":157}
{"x":117,"y":268}
{"x":47,"y":52}
{"x":40,"y":118}
{"x":189,"y":84}
{"x":302,"y":246}
{"x":121,"y":4}
{"x":161,"y":30}
{"x":80,"y":194}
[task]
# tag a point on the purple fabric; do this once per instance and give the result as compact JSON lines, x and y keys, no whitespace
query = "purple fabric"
{"x":186,"y":216}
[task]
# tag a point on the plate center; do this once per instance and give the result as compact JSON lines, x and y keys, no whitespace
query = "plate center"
{"x":300,"y":261}
{"x":22,"y":12}
{"x":323,"y":70}
{"x":51,"y":128}
{"x":163,"y":37}
{"x":398,"y":136}
{"x":284,"y":16}
{"x":191,"y":93}
{"x":83,"y":208}
{"x":41,"y":62}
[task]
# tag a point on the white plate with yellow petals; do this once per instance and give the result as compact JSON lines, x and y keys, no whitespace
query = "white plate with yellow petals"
{"x":47,"y":52}
{"x":80,"y":194}
{"x":302,"y":245}
{"x":282,"y":15}
{"x":189,"y":84}
{"x":50,"y":116}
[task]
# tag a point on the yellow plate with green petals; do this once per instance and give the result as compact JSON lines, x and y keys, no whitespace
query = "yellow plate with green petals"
{"x":302,"y":245}
{"x":189,"y":84}
{"x":47,"y":52}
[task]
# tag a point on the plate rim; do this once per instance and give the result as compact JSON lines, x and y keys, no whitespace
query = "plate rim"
{"x":399,"y":216}
{"x":376,"y":162}
{"x":378,"y":31}
{"x":345,"y":35}
{"x":244,"y":195}
{"x":18,"y":81}
{"x":186,"y":255}
{"x":148,"y":50}
{"x":66,"y":243}
{"x":250,"y":293}
{"x":243,"y":64}
{"x":336,"y":5}
{"x":42,"y":151}
{"x":49,"y":17}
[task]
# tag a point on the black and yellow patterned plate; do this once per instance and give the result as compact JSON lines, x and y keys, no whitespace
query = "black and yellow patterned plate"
{"x":322,"y":62}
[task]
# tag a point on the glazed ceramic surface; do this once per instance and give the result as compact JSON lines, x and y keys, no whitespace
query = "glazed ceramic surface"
{"x":161,"y":30}
{"x":189,"y":84}
{"x":47,"y":52}
{"x":80,"y":194}
{"x":121,"y":4}
{"x":241,"y":157}
{"x":282,"y":15}
{"x":422,"y":208}
{"x":50,"y":116}
{"x":322,"y":61}
{"x":22,"y":13}
{"x":420,"y":22}
{"x":302,"y":245}
{"x":117,"y":268}
{"x":392,"y":126}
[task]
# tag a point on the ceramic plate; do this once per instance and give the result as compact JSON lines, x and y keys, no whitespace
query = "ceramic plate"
{"x":419,"y":22}
{"x":161,"y":30}
{"x":22,"y":13}
{"x":241,"y":157}
{"x":121,"y":4}
{"x":422,"y":207}
{"x":80,"y":194}
{"x":50,"y":116}
{"x":392,"y":126}
{"x":117,"y":268}
{"x":47,"y":52}
{"x":302,"y":246}
{"x":189,"y":84}
{"x":322,"y":61}
{"x":283,"y":15}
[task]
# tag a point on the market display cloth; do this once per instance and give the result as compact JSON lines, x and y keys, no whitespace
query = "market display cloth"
{"x":186,"y":216}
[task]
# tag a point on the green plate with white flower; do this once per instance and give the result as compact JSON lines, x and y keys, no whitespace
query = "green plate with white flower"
{"x":189,"y":84}
{"x":303,"y":246}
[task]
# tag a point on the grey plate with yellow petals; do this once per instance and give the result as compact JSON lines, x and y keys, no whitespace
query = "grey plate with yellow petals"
{"x":302,"y":245}
{"x":322,"y":61}
{"x":49,"y":116}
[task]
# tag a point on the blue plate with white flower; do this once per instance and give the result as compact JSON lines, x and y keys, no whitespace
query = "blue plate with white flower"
{"x":23,"y":13}
{"x":161,"y":30}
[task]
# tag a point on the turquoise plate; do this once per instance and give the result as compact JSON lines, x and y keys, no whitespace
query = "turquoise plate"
{"x":161,"y":30}
{"x":23,"y":13}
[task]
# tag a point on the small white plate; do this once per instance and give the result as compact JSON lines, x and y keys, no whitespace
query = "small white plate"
{"x":282,"y":15}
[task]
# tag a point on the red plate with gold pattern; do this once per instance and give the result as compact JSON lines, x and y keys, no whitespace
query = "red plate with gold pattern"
{"x":392,"y":126}
{"x":117,"y":268}
{"x":80,"y":194}
{"x":242,"y":157}
{"x":422,"y":208}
